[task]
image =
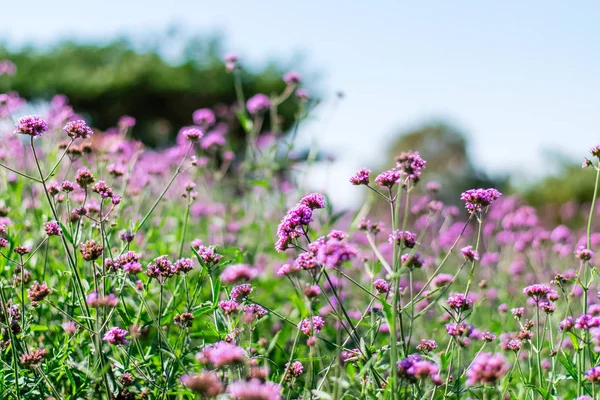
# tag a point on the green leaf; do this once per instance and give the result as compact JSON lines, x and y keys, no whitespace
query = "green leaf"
{"x":38,"y":328}
{"x":216,"y":290}
{"x":66,"y":233}
{"x":264,"y":183}
{"x":574,"y":340}
{"x":203,"y":310}
{"x":388,"y":311}
{"x":246,"y":122}
{"x":569,"y":366}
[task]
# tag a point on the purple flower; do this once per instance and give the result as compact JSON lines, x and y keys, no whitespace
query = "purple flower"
{"x":456,"y":329}
{"x":593,"y":374}
{"x":487,"y":368}
{"x":292,"y":78}
{"x":192,"y":134}
{"x":302,"y":94}
{"x":537,"y":291}
{"x":361,"y":177}
{"x":411,"y":164}
{"x":586,"y":322}
{"x":240,"y":292}
{"x":206,"y":383}
{"x":388,"y":178}
{"x":405,"y":364}
{"x":126,"y":121}
{"x":103,"y":190}
{"x":566,"y":324}
{"x":518,"y":312}
{"x":238,"y":272}
{"x":258,"y":103}
{"x":560,"y":234}
{"x":381,"y":286}
{"x":314,"y":201}
{"x":231,"y":61}
{"x":254,"y":389}
{"x":7,"y":67}
{"x":78,"y":130}
{"x":115,"y":336}
{"x":253,"y":312}
{"x":427,"y":345}
{"x":310,"y":327}
{"x":204,"y":117}
{"x":183,"y":265}
{"x":477,"y":200}
{"x":411,"y":261}
{"x":208,"y":255}
{"x":406,"y":238}
{"x":291,"y":226}
{"x":513,"y":345}
{"x":423,"y":369}
{"x":459,"y":302}
{"x":161,"y":269}
{"x":296,"y":369}
{"x":333,"y":252}
{"x":441,"y":280}
{"x":229,"y":306}
{"x":52,"y":228}
{"x":96,"y":300}
{"x":584,"y":254}
{"x":84,"y":177}
{"x":433,"y":187}
{"x":32,"y":125}
{"x":213,"y":139}
{"x":221,"y":354}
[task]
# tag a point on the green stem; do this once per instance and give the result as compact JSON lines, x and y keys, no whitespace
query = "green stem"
{"x":539,"y":343}
{"x":472,"y":271}
{"x":20,"y":173}
{"x":13,"y":344}
{"x":185,"y":224}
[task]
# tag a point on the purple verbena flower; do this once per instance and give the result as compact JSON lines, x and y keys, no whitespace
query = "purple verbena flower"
{"x":32,"y":125}
{"x":258,"y":103}
{"x":477,"y":200}
{"x":361,"y":177}
{"x":78,"y":130}
{"x":115,"y":336}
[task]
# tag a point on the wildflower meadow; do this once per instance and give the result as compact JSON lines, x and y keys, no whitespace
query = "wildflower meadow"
{"x":198,"y":272}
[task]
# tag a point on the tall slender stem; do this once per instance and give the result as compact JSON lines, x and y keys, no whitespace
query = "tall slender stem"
{"x":159,"y":327}
{"x":185,"y":224}
{"x":472,"y":270}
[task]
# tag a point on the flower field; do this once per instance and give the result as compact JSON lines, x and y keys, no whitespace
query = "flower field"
{"x":196,"y":271}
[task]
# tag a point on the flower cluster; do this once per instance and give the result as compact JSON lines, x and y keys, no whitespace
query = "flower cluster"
{"x":295,"y":223}
{"x":115,"y":336}
{"x":411,"y":164}
{"x":32,"y":125}
{"x":78,"y":130}
{"x":478,"y":200}
{"x":486,"y":369}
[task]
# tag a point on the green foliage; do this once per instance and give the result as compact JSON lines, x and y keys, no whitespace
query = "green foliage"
{"x":104,"y":82}
{"x":571,"y":183}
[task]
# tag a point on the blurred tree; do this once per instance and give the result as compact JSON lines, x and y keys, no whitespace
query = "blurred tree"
{"x":445,"y":148}
{"x":104,"y":82}
{"x":570,"y":183}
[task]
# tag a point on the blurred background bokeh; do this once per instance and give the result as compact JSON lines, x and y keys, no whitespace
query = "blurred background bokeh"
{"x":502,"y":94}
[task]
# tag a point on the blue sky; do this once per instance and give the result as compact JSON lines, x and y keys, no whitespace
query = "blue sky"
{"x":518,"y":77}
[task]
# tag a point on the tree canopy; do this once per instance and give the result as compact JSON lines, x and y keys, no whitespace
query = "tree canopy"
{"x":105,"y":81}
